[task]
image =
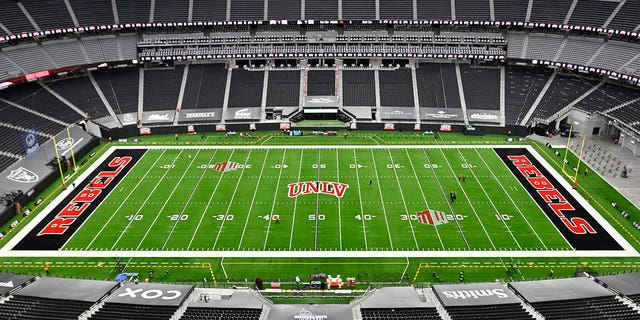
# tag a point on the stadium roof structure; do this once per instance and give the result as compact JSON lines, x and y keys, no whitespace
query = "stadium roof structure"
{"x":10,"y":282}
{"x":395,"y":297}
{"x":626,"y":283}
{"x":559,"y":289}
{"x":226,"y":298}
{"x":68,"y":289}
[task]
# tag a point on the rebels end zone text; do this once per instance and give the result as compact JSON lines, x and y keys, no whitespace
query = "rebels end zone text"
{"x":573,"y":221}
{"x":64,"y":220}
{"x":79,"y":204}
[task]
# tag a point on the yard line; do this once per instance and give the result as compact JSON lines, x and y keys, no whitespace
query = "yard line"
{"x":275,"y":195}
{"x":490,"y":200}
{"x":315,"y":239}
{"x":510,"y":199}
{"x":364,"y":228}
{"x":422,"y":193}
{"x":233,"y":196}
{"x":295,"y":202}
{"x":164,"y":205}
{"x":193,"y":191}
{"x":339,"y":214}
{"x":448,"y":203}
{"x":470,"y":204}
{"x":246,"y":222}
{"x":384,"y":210}
{"x":406,"y":210}
{"x":104,"y":226}
{"x":146,"y":200}
{"x":206,"y":208}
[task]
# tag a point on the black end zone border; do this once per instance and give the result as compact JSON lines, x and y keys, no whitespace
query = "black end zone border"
{"x":34,"y":241}
{"x":600,"y":240}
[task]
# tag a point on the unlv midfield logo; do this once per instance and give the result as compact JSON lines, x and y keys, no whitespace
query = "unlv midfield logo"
{"x":325,"y":187}
{"x":23,"y":175}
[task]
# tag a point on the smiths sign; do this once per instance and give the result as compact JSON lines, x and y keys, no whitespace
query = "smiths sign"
{"x":475,"y":294}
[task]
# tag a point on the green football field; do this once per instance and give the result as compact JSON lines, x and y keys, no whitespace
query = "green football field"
{"x":375,"y":206}
{"x":175,"y":199}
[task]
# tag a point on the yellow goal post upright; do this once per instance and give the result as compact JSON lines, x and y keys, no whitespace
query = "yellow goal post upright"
{"x":573,"y":177}
{"x":73,"y":156}
{"x":55,"y":147}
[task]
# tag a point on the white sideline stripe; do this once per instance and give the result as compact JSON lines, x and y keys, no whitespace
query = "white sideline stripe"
{"x":628,"y":250}
{"x":206,"y":208}
{"x":324,"y":254}
{"x":121,"y":203}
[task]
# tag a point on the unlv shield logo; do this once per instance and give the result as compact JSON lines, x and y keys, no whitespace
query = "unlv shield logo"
{"x":22,"y":175}
{"x":225,"y":166}
{"x":432,"y":217}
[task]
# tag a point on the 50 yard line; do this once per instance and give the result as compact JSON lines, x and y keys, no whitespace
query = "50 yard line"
{"x":295,"y":202}
{"x":315,"y":239}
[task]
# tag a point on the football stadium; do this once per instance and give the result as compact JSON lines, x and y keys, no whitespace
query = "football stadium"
{"x":319,"y":159}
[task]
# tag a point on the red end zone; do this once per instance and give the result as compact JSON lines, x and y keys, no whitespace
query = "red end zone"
{"x":60,"y":224}
{"x":573,"y":221}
